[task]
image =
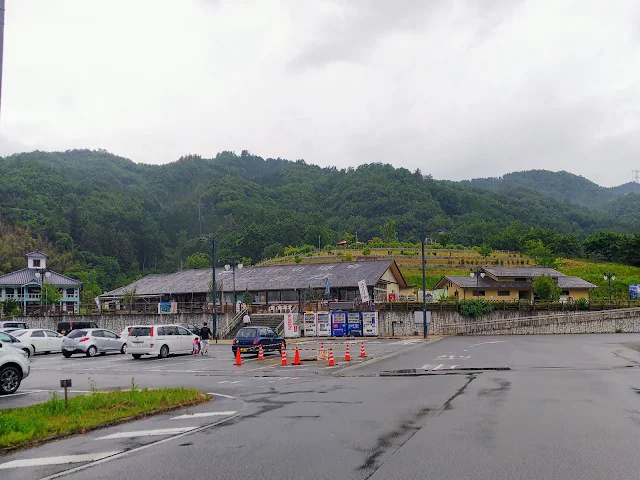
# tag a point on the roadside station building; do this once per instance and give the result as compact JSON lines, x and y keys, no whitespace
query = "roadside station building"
{"x":511,"y":284}
{"x":25,"y":286}
{"x":274,"y":288}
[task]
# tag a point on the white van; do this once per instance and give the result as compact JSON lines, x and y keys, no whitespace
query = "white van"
{"x":160,"y":340}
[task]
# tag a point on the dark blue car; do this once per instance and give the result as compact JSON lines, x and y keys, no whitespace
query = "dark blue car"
{"x":249,"y":338}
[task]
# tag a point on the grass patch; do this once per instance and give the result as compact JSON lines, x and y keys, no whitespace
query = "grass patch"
{"x":24,"y":425}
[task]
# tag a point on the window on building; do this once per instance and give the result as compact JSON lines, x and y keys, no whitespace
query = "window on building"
{"x":520,"y":279}
{"x":478,"y":293}
{"x":36,"y":263}
{"x":8,"y":291}
{"x":564,"y":293}
{"x":70,"y":292}
{"x":503,"y":293}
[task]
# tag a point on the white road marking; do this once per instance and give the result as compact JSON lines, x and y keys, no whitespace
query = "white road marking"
{"x":452,"y":357}
{"x":487,"y":343}
{"x":439,"y":367}
{"x":23,"y":393}
{"x":147,"y":433}
{"x":175,"y":363}
{"x":224,"y":381}
{"x":61,"y":460}
{"x":426,"y":367}
{"x":204,"y":414}
{"x":237,"y":381}
{"x":221,"y":395}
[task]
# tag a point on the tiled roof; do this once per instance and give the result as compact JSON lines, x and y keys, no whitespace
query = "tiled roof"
{"x":486,"y":282}
{"x":281,"y":277}
{"x":36,"y":254}
{"x":28,"y":275}
{"x":522,"y":271}
{"x":574,"y":282}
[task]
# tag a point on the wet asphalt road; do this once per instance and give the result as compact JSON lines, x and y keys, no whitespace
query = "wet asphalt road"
{"x":568,"y":407}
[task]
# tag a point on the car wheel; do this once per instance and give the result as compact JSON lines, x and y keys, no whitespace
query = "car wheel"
{"x":164,"y":352}
{"x":137,"y":356}
{"x":92,"y":351}
{"x":10,"y":378}
{"x":124,"y":348}
{"x":28,"y":352}
{"x":67,"y":354}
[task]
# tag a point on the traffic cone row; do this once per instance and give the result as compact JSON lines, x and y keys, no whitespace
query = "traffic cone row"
{"x":332,"y":361}
{"x":283,"y":354}
{"x":363,"y":354}
{"x":260,"y":352}
{"x":347,"y":354}
{"x":238,"y":357}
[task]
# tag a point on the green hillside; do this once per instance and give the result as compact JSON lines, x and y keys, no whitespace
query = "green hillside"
{"x":561,"y":186}
{"x":118,"y":220}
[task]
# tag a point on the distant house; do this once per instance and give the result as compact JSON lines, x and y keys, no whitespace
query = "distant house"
{"x":272,"y":285}
{"x":511,"y":284}
{"x":25,"y":285}
{"x":341,"y":243}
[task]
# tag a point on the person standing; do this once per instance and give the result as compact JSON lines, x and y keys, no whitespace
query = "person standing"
{"x":246,"y":319}
{"x":205,"y":335}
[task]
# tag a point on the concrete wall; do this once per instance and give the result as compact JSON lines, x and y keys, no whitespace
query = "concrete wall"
{"x":512,"y":323}
{"x":118,"y":322}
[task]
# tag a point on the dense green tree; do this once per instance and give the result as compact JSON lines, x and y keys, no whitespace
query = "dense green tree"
{"x":545,"y":288}
{"x":198,"y":260}
{"x":541,"y":255}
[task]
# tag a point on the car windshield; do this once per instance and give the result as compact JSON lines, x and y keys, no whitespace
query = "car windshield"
{"x":140,"y":332}
{"x":77,"y":333}
{"x":18,"y":333}
{"x":247,"y":333}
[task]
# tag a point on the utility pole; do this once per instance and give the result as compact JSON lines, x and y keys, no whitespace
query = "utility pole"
{"x":2,"y":3}
{"x":424,"y":292}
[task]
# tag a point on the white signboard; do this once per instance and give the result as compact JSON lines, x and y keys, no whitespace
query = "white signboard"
{"x":291,"y":329}
{"x":364,"y":293}
{"x":418,"y":317}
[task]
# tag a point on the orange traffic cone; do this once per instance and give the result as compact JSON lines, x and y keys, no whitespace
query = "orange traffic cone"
{"x":332,"y":361}
{"x":363,"y":354}
{"x":296,"y":358}
{"x":283,"y":354}
{"x":347,"y":354}
{"x":260,"y":352}
{"x":238,"y":357}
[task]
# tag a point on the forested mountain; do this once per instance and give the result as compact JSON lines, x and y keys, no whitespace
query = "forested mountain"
{"x":117,"y":218}
{"x":562,"y":186}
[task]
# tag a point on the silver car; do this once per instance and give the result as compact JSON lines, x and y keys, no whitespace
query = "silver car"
{"x":15,"y":343}
{"x":92,"y":341}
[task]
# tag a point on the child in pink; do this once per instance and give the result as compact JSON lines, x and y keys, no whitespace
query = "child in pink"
{"x":196,"y":346}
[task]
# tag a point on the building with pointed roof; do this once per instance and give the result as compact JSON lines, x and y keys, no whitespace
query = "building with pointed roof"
{"x":511,"y":284}
{"x":25,"y":285}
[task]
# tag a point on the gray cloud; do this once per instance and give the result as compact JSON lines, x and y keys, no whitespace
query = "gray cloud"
{"x":459,"y":89}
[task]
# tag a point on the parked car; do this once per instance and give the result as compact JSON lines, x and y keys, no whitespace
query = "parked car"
{"x":15,"y":343}
{"x":92,"y":342}
{"x":41,"y":339}
{"x":248,"y":340}
{"x":160,"y":340}
{"x":13,"y":324}
{"x":192,"y":328}
{"x":14,"y":367}
{"x":9,"y":330}
{"x":125,"y":331}
{"x":66,"y":327}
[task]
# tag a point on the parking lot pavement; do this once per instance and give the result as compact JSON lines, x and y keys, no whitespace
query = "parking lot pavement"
{"x":72,"y":452}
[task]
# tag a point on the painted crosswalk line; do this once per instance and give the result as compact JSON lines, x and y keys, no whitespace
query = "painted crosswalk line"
{"x":204,"y":414}
{"x":439,"y":367}
{"x":61,"y":460}
{"x":147,"y":433}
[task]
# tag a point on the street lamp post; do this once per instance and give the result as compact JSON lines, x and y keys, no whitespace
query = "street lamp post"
{"x":232,"y":266}
{"x":214,"y":293}
{"x":44,"y":274}
{"x":424,"y":293}
{"x":478,"y":273}
{"x":609,"y":276}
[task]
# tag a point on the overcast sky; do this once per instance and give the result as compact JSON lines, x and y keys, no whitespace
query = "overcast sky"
{"x":459,"y":89}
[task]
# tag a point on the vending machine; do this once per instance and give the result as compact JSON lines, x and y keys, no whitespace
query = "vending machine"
{"x":354,"y":325}
{"x":323,"y":322}
{"x":338,"y":324}
{"x":370,"y":324}
{"x":310,"y":325}
{"x":291,"y":329}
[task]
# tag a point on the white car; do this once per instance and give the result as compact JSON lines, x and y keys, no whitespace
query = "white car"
{"x":125,"y":332}
{"x":42,"y":340}
{"x":12,"y":341}
{"x":14,"y":367}
{"x":160,"y":340}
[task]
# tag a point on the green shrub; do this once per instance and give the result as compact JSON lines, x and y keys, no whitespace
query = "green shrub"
{"x":474,"y":308}
{"x":366,"y":251}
